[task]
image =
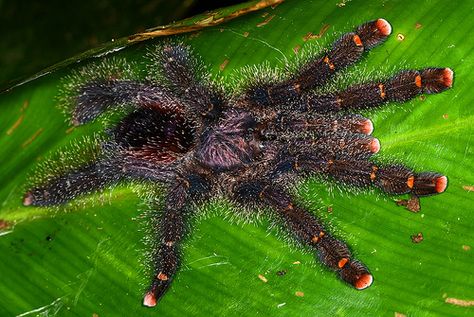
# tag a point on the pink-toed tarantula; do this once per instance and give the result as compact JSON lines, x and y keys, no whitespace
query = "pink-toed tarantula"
{"x":189,"y":135}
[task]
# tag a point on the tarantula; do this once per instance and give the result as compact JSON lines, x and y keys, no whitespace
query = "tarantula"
{"x":196,"y":140}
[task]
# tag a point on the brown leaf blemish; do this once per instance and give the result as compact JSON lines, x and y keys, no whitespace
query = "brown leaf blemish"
{"x":459,"y":302}
{"x":32,"y":138}
{"x":262,"y":278}
{"x":311,"y":36}
{"x":5,"y":224}
{"x":26,"y":103}
{"x":266,"y":21}
{"x":224,"y":64}
{"x":417,"y":238}
{"x":16,"y":124}
{"x":412,"y":204}
{"x":296,"y":49}
{"x":469,"y":188}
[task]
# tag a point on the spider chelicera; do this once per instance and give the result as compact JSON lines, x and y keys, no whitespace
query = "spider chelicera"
{"x":198,"y":141}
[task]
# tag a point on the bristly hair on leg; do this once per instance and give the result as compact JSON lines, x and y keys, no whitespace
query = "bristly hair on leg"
{"x":77,"y":154}
{"x":94,"y":75}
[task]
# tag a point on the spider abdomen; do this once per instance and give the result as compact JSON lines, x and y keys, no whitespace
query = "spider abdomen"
{"x":160,"y":135}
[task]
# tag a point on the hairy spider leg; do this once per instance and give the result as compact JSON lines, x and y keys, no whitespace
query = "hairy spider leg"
{"x":182,"y":72}
{"x":332,"y":147}
{"x":95,"y":176}
{"x":195,"y":94}
{"x":308,"y":230}
{"x":171,"y":230}
{"x":392,"y":179}
{"x":402,"y":87}
{"x":84,"y":180}
{"x":324,"y":124}
{"x":345,"y":51}
{"x":98,"y":96}
{"x":340,"y":145}
{"x":171,"y":227}
{"x":286,"y":127}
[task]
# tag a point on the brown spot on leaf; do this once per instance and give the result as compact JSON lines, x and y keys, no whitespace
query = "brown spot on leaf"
{"x":412,"y":204}
{"x":417,"y":238}
{"x":466,"y":247}
{"x":265,"y":22}
{"x":397,"y":314}
{"x":418,"y":25}
{"x":224,"y":64}
{"x":299,"y":294}
{"x":311,"y":36}
{"x":262,"y":278}
{"x":26,"y":103}
{"x":4,"y":224}
{"x":246,"y":34}
{"x":32,"y":138}
{"x":296,"y":49}
{"x":459,"y":302}
{"x":16,"y":124}
{"x":400,"y":37}
{"x":445,"y":116}
{"x":469,"y":188}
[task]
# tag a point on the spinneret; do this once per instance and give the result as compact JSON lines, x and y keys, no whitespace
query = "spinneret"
{"x":196,"y":141}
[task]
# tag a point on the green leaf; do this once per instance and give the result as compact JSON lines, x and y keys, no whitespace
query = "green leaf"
{"x":86,"y":259}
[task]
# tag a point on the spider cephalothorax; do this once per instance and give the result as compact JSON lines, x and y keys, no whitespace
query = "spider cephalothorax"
{"x":198,"y":141}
